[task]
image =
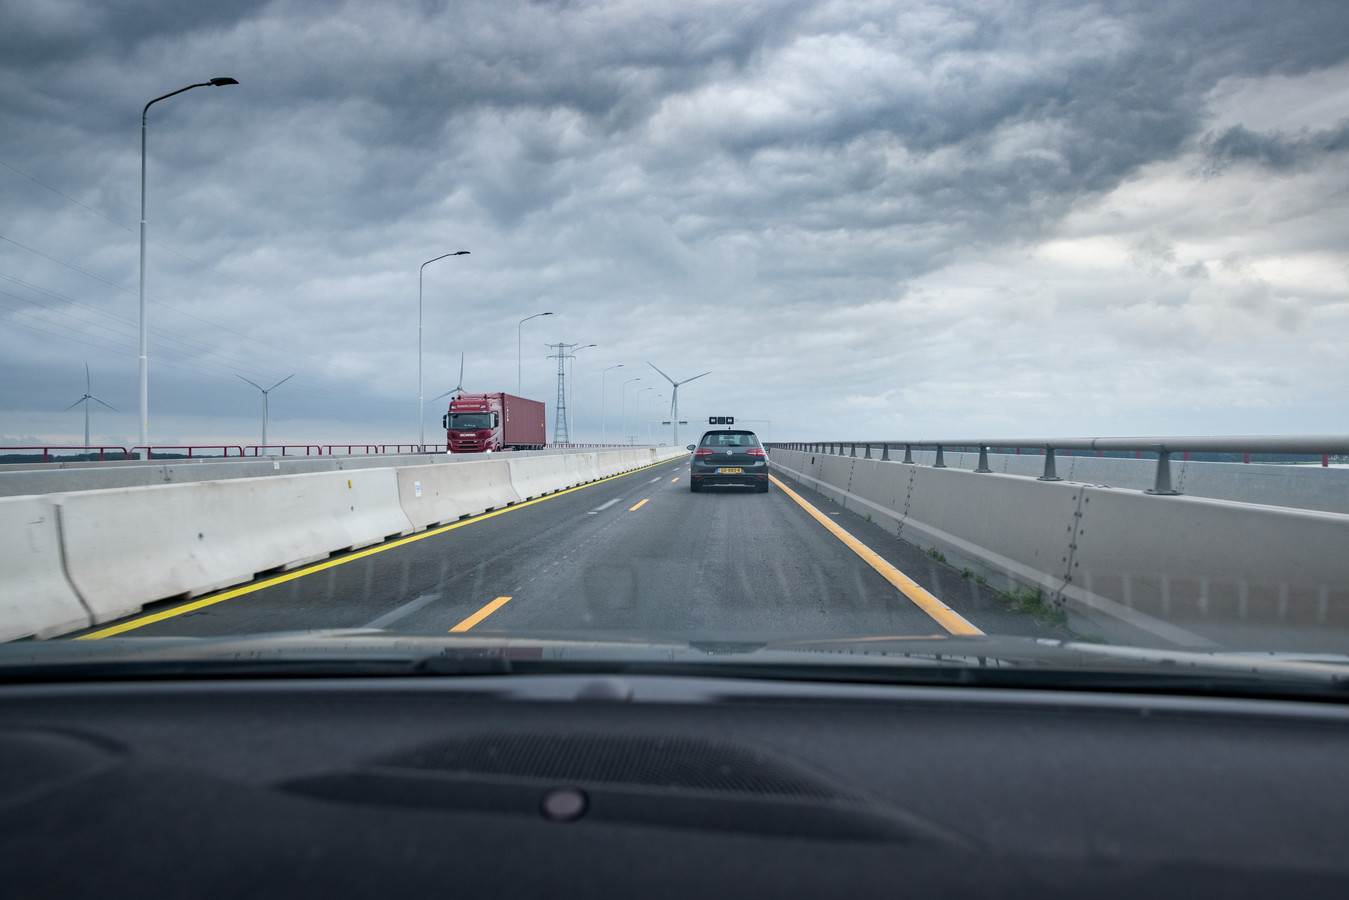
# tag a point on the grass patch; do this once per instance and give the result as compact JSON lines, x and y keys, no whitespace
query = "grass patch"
{"x":867,"y":517}
{"x":936,"y":554}
{"x":1032,"y":602}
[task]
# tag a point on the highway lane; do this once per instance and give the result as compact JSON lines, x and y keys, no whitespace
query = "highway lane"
{"x":636,"y":555}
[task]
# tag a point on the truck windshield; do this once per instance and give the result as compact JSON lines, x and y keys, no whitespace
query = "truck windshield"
{"x":470,"y":421}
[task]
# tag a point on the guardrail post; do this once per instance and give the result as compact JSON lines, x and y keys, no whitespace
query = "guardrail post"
{"x":1163,"y":483}
{"x":908,"y":454}
{"x":983,"y":460}
{"x":941,"y":460}
{"x":885,"y":452}
{"x":853,"y":454}
{"x":1050,"y":473}
{"x":866,"y":454}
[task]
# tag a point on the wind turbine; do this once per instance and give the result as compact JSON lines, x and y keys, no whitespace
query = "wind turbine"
{"x":674,"y":400}
{"x":265,"y":392}
{"x":459,"y":388}
{"x":88,"y":395}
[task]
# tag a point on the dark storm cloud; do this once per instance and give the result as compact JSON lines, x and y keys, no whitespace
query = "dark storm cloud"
{"x":1273,"y":150}
{"x":625,"y":163}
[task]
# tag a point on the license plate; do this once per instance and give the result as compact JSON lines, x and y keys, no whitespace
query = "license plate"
{"x":725,"y":471}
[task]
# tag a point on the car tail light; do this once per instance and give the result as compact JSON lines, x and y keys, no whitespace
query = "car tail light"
{"x":703,"y":451}
{"x":756,"y":451}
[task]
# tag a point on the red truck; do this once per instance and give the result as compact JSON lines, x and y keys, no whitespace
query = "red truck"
{"x":479,"y":423}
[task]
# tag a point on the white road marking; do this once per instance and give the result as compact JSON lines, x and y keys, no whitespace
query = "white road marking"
{"x":403,"y":611}
{"x":604,"y":506}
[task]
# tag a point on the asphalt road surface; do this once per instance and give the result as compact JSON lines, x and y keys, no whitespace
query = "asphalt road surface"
{"x":638,"y":555}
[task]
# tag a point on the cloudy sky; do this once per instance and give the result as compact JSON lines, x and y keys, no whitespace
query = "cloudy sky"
{"x":866,"y":218}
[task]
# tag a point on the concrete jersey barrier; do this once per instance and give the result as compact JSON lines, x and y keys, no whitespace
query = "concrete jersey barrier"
{"x":437,"y":495}
{"x":126,"y":547}
{"x":82,"y":558}
{"x":1184,"y":570}
{"x":36,"y":598}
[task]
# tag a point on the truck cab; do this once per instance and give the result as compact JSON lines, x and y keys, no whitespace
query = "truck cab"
{"x":473,"y":424}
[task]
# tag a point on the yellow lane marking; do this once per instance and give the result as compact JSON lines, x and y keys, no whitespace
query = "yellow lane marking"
{"x":946,"y":617}
{"x":328,"y":564}
{"x":480,"y":615}
{"x":673,"y":480}
{"x":638,"y":506}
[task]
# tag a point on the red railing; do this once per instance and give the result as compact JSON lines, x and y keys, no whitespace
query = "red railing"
{"x":192,"y":452}
{"x":236,"y":451}
{"x":103,"y":452}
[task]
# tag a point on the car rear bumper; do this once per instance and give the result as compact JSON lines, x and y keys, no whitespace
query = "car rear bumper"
{"x":749,"y":478}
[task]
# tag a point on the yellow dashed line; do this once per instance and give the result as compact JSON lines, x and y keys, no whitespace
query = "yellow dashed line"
{"x":480,"y":614}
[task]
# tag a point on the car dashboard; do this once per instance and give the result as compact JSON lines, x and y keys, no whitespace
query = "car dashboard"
{"x":614,"y":786}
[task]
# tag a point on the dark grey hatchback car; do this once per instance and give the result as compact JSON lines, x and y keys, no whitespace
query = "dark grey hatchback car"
{"x":728,"y":456}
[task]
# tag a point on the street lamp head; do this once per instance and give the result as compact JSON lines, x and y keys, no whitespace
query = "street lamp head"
{"x":220,"y":82}
{"x":460,"y":253}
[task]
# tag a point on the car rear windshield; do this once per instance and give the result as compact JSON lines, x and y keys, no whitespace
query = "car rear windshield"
{"x":730,"y":439}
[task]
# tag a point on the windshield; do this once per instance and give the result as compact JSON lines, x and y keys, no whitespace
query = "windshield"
{"x":470,"y":421}
{"x":730,"y":439}
{"x":1036,"y":313}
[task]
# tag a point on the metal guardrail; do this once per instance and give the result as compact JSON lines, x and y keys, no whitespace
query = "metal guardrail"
{"x":1164,"y":447}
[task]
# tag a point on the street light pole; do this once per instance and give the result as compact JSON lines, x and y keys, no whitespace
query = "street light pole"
{"x":604,"y":422}
{"x":421,"y":411}
{"x":623,"y":412}
{"x":519,"y":364}
{"x":144,"y":352}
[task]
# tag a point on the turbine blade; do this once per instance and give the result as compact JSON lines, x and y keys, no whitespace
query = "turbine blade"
{"x":254,"y":383}
{"x":281,"y":382}
{"x":694,"y":378}
{"x":663,"y":375}
{"x":96,"y":400}
{"x":75,"y":404}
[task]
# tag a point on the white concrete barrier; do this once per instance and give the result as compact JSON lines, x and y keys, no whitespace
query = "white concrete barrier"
{"x":36,"y":598}
{"x":76,"y":559}
{"x":437,"y":495}
{"x":1185,"y":570}
{"x":582,"y":468}
{"x":1206,"y":565}
{"x":538,"y":475}
{"x":129,"y":546}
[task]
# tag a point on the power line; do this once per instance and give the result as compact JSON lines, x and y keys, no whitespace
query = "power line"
{"x":174,"y":251}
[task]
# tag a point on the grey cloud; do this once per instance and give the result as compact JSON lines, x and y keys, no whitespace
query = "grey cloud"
{"x":627,"y":165}
{"x":1272,"y":150}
